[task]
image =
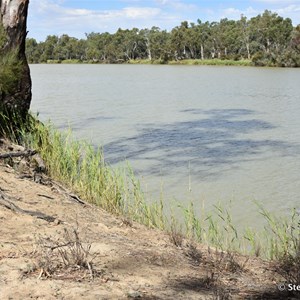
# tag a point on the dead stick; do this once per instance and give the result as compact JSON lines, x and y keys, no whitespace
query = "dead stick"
{"x":45,"y":196}
{"x":10,"y":205}
{"x":18,"y":154}
{"x":90,"y":269}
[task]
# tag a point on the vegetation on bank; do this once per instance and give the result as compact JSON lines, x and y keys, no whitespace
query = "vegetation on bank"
{"x":213,"y":62}
{"x":10,"y":67}
{"x":266,"y":40}
{"x":82,"y":168}
{"x":204,"y":62}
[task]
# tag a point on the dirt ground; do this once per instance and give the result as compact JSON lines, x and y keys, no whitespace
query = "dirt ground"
{"x":40,"y":219}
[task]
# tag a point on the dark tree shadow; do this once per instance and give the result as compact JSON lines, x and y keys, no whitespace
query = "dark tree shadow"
{"x":207,"y":286}
{"x":212,"y":142}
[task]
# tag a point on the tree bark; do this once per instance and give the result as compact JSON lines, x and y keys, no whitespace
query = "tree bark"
{"x":13,"y":19}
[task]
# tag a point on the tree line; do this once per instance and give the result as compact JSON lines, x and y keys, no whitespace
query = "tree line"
{"x":267,"y":40}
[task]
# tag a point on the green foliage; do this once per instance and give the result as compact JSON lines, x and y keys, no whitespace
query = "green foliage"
{"x":13,"y":125}
{"x":10,"y":66}
{"x":213,"y":62}
{"x":2,"y":37}
{"x":10,"y":72}
{"x":270,"y":39}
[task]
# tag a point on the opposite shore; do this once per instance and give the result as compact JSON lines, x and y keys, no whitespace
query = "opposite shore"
{"x":205,"y":62}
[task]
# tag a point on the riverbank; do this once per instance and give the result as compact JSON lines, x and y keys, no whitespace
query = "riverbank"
{"x":59,"y":169}
{"x":55,"y":245}
{"x":198,"y":62}
{"x":204,"y":62}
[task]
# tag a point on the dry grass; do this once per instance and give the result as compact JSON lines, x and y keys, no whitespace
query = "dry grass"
{"x":289,"y":268}
{"x":193,"y":253}
{"x":175,"y":234}
{"x":227,"y":261}
{"x":66,"y":258}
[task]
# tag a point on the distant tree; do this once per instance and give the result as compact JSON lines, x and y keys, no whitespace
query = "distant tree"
{"x":267,"y":39}
{"x":201,"y":35}
{"x":295,"y":42}
{"x":271,"y":31}
{"x":244,"y":36}
{"x":32,"y":51}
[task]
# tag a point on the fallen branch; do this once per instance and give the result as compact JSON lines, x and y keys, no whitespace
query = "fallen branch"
{"x":75,"y":197}
{"x":62,"y":190}
{"x":18,"y":154}
{"x":10,"y":205}
{"x":45,"y":196}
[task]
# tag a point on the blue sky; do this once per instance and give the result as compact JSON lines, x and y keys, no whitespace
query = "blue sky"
{"x":76,"y":17}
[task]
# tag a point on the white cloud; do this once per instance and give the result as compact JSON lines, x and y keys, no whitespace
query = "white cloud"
{"x":235,"y":14}
{"x":52,"y":17}
{"x":55,"y":17}
{"x":176,"y":4}
{"x":48,"y":7}
{"x":288,"y":9}
{"x":284,"y":2}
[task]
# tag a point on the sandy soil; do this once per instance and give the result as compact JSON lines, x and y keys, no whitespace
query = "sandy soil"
{"x":129,"y":260}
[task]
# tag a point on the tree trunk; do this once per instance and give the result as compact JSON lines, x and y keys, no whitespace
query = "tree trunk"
{"x":248,"y":50}
{"x":13,"y":19}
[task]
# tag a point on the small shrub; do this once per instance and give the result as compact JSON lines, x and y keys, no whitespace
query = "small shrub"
{"x":226,"y":260}
{"x":193,"y":253}
{"x":66,"y":256}
{"x":289,"y":268}
{"x":175,"y":233}
{"x":176,"y":237}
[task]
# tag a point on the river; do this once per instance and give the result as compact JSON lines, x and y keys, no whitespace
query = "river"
{"x":201,"y":133}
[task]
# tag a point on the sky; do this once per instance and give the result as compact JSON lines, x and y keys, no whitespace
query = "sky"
{"x":75,"y":18}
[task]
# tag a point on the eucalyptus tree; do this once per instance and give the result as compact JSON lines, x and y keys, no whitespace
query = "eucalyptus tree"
{"x":271,"y":32}
{"x":179,"y":41}
{"x":93,"y":46}
{"x":244,"y":35}
{"x":133,"y":43}
{"x":202,"y":37}
{"x":291,"y":55}
{"x":229,"y":38}
{"x":157,"y":44}
{"x":65,"y":47}
{"x":49,"y":48}
{"x":295,"y":42}
{"x":267,"y":39}
{"x":15,"y":81}
{"x":32,"y":50}
{"x":81,"y":49}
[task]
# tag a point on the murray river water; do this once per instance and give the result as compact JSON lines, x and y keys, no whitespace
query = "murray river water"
{"x":201,"y":133}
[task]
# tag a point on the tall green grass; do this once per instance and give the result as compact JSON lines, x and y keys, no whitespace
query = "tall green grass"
{"x":82,"y":168}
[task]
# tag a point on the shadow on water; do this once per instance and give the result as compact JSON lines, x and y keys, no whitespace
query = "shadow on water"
{"x":211,"y":143}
